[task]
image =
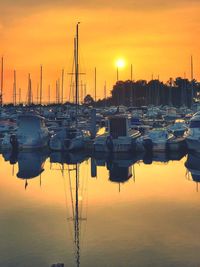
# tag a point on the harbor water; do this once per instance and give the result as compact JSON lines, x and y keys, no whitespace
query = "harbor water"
{"x":98,"y":211}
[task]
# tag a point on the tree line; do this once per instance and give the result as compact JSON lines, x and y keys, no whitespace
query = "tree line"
{"x":176,"y":92}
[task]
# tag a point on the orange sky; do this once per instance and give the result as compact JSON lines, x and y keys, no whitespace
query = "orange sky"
{"x":155,"y":36}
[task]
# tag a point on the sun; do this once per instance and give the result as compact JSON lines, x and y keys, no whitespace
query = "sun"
{"x":120,"y":63}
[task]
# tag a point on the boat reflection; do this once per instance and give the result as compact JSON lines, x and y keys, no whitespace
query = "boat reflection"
{"x":162,"y":157}
{"x":119,"y":172}
{"x":120,"y":166}
{"x":68,"y":158}
{"x":31,"y":164}
{"x":10,"y":155}
{"x":193,"y":167}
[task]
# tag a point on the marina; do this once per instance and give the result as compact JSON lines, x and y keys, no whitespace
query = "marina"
{"x":99,"y":133}
{"x":119,"y":183}
{"x":42,"y":127}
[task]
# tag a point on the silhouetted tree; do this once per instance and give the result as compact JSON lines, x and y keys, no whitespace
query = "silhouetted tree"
{"x":175,"y":92}
{"x":88,"y":100}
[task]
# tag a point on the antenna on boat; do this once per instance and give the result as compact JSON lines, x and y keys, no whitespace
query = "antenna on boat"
{"x":2,"y":76}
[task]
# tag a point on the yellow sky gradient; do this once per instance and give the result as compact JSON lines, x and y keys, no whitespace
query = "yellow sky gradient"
{"x":155,"y":37}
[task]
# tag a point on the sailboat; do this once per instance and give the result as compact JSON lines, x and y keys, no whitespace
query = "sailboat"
{"x":71,"y":138}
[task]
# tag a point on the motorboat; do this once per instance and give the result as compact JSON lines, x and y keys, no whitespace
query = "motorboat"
{"x":193,"y":134}
{"x":68,"y":139}
{"x":32,"y":132}
{"x":156,"y":139}
{"x":178,"y":128}
{"x":159,"y":139}
{"x":119,"y":137}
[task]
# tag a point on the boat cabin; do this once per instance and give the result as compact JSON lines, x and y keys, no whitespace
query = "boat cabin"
{"x":118,"y":126}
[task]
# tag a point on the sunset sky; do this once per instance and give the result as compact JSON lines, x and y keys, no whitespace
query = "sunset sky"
{"x":156,"y":36}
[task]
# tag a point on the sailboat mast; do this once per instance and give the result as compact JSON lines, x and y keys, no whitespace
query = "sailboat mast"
{"x":41,"y":72}
{"x":14,"y":89}
{"x":85,"y":90}
{"x":95,"y":85}
{"x":56,"y":92}
{"x":19,"y":95}
{"x":192,"y":78}
{"x":77,"y":67}
{"x":29,"y":90}
{"x":192,"y":69}
{"x":1,"y":93}
{"x":58,"y":84}
{"x":131,"y":85}
{"x":105,"y":93}
{"x":62,"y":88}
{"x":49,"y":93}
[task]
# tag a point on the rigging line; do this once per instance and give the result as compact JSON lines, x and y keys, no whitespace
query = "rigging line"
{"x":84,"y":229}
{"x":72,"y":200}
{"x":77,"y":218}
{"x":82,"y":202}
{"x":70,"y":228}
{"x":65,"y":192}
{"x":82,"y":192}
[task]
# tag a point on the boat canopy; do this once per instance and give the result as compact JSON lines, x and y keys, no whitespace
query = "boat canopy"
{"x":30,"y":123}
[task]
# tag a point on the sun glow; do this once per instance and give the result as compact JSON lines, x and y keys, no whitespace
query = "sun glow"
{"x":120,"y":63}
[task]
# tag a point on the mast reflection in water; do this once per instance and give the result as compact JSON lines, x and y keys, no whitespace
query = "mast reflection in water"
{"x":142,"y":219}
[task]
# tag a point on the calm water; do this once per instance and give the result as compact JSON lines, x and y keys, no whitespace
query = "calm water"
{"x":115,"y":212}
